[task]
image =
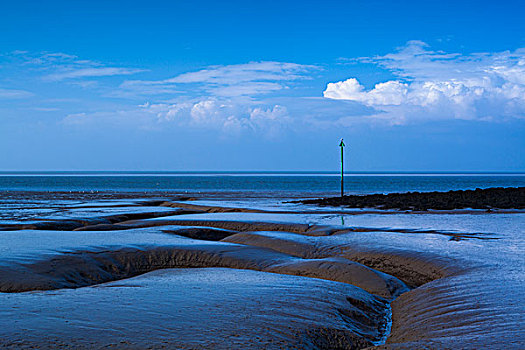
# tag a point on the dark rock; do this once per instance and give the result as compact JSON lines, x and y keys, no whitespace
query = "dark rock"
{"x":495,"y":198}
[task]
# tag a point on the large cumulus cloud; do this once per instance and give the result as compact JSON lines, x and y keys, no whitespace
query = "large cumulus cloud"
{"x":438,"y":85}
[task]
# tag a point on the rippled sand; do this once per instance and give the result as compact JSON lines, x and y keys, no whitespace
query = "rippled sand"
{"x":164,"y":273}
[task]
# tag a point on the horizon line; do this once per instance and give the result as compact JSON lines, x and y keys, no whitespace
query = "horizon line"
{"x":249,"y":172}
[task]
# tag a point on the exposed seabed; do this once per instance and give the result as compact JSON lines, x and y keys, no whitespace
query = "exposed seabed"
{"x":173,"y":273}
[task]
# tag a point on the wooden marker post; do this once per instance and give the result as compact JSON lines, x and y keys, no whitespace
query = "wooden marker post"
{"x":342,"y":145}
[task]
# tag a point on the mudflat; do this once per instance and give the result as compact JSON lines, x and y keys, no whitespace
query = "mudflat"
{"x":173,"y":272}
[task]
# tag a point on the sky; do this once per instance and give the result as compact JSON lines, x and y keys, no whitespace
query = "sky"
{"x":262,"y":85}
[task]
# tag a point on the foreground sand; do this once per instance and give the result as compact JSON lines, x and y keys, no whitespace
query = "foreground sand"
{"x":193,"y":308}
{"x":255,"y":282}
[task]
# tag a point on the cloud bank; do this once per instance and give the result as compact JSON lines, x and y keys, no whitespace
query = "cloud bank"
{"x":224,"y":116}
{"x":438,"y":85}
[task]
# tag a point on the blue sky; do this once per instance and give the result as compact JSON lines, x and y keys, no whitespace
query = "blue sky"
{"x":166,"y":85}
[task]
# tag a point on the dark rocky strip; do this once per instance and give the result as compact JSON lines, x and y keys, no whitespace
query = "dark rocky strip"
{"x":497,"y":198}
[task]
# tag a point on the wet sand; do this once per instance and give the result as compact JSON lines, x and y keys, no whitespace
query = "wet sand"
{"x":195,"y":308}
{"x":164,"y":273}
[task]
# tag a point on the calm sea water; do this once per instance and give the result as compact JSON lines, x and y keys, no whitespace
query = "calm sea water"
{"x":271,"y":183}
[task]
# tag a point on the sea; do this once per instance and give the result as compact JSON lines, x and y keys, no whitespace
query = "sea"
{"x":281,"y":184}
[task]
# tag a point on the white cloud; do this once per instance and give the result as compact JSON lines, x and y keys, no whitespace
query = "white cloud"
{"x":134,"y":88}
{"x":73,"y":73}
{"x":230,"y":80}
{"x":272,"y":120}
{"x":14,"y":94}
{"x":238,"y":73}
{"x":389,"y":93}
{"x":61,"y":66}
{"x":45,"y":109}
{"x":434,"y":84}
{"x":226,"y":116}
{"x":245,"y":89}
